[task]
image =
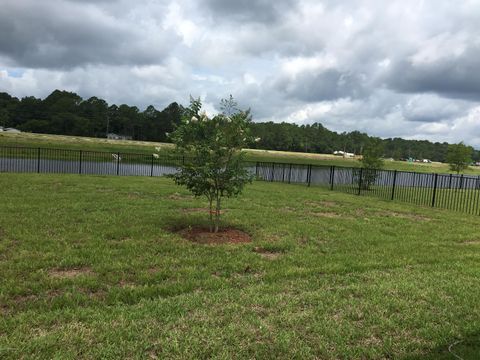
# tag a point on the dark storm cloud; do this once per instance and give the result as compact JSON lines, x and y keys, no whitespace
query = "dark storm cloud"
{"x":61,"y":35}
{"x":262,"y":11}
{"x":326,"y":85}
{"x":431,"y":108}
{"x":454,"y":77}
{"x":262,"y":39}
{"x":423,"y":117}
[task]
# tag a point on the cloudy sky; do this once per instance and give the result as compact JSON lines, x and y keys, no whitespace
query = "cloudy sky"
{"x":390,"y":68}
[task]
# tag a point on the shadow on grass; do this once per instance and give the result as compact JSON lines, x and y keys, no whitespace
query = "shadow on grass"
{"x":466,"y":348}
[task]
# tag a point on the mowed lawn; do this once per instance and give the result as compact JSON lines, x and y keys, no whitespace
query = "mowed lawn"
{"x":92,"y":267}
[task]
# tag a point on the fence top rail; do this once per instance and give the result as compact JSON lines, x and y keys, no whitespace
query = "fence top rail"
{"x":36,"y":148}
{"x":88,"y":151}
{"x":261,"y":163}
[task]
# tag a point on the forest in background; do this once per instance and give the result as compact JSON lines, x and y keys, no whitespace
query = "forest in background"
{"x":66,"y":113}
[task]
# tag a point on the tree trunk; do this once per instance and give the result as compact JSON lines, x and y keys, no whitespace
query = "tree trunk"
{"x":211,"y":214}
{"x":217,"y":214}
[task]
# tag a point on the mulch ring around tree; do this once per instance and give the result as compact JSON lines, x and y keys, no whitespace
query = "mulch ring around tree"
{"x":201,"y":235}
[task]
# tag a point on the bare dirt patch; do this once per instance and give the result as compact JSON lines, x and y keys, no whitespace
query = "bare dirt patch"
{"x":415,"y":217}
{"x":153,"y":270}
{"x":327,"y":214}
{"x":125,"y":284}
{"x":390,"y":213}
{"x":223,"y":236}
{"x":178,"y":196}
{"x":266,"y":254}
{"x":69,"y":273}
{"x":471,"y":242}
{"x":360,"y":212}
{"x":22,"y":299}
{"x":372,"y":340}
{"x":134,"y":195}
{"x":316,"y":211}
{"x":52,"y":294}
{"x":99,"y":294}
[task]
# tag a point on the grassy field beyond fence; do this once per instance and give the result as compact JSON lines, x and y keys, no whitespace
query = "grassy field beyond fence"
{"x":92,"y":267}
{"x":147,"y":148}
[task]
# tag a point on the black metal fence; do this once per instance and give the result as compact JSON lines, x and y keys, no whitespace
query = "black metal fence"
{"x":449,"y":191}
{"x":46,"y":160}
{"x":455,"y":192}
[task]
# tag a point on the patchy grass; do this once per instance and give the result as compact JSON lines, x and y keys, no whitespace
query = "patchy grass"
{"x":147,"y":147}
{"x":90,"y":271}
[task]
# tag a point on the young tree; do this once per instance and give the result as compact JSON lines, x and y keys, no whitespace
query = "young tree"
{"x":459,"y":156}
{"x":212,"y":148}
{"x":372,"y":157}
{"x":372,"y":161}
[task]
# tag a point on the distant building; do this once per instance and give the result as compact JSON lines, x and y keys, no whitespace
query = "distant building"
{"x":344,"y":154}
{"x":113,"y":136}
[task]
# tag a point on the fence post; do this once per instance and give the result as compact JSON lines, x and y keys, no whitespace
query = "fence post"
{"x":461,"y":182}
{"x":394,"y":182}
{"x":38,"y":160}
{"x":360,"y":181}
{"x":118,"y":163}
{"x":332,"y":176}
{"x":80,"y":163}
{"x":450,"y":182}
{"x":290,"y":173}
{"x":309,"y":174}
{"x":273,"y":172}
{"x":256,"y":170}
{"x":151,"y":170}
{"x":434,"y":189}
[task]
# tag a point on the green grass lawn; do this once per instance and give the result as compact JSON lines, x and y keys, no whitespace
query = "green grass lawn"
{"x":91,"y":268}
{"x":145,"y":147}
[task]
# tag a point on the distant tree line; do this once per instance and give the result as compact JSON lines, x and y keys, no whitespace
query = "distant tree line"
{"x":66,"y":113}
{"x":316,"y":138}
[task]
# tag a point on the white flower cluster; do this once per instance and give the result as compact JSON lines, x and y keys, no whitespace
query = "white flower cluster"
{"x":203,"y":117}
